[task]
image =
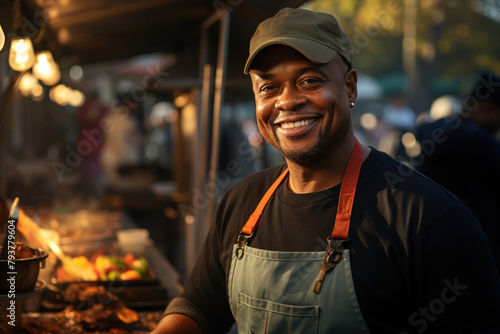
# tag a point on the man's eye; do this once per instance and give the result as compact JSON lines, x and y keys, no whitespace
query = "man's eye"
{"x":267,"y":88}
{"x":310,"y":81}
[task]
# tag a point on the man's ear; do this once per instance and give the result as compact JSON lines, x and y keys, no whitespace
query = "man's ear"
{"x":351,"y":81}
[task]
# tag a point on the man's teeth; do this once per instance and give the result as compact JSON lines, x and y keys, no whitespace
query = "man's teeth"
{"x":291,"y":125}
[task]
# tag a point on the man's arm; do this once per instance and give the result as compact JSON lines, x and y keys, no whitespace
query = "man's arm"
{"x":177,"y":324}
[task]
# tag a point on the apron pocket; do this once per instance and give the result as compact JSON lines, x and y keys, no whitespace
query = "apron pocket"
{"x":259,"y":316}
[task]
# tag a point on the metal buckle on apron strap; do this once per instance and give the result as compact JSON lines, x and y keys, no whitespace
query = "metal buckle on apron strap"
{"x":333,"y":255}
{"x":242,"y":241}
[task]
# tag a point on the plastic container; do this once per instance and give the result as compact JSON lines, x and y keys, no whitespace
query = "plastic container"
{"x":135,"y":241}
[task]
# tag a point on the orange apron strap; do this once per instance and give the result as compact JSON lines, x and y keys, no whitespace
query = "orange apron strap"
{"x":347,"y":192}
{"x":346,"y":199}
{"x":253,"y":221}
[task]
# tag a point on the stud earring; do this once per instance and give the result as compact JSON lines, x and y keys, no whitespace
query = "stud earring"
{"x":351,"y":104}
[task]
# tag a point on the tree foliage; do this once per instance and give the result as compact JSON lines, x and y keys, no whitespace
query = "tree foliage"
{"x":454,"y":38}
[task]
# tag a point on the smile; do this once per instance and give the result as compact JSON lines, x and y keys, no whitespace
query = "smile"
{"x":293,"y":125}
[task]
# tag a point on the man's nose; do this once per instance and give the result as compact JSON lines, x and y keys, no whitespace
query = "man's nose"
{"x":290,"y":99}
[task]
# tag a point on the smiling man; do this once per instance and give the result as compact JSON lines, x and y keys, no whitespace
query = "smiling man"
{"x":303,"y":109}
{"x":341,"y":238}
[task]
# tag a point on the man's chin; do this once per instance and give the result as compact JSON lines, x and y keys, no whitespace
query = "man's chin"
{"x":301,"y":156}
{"x":296,"y":154}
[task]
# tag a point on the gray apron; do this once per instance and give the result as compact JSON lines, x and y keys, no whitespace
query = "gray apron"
{"x":282,"y":292}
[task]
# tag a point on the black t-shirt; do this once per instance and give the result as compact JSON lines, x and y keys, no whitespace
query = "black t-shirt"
{"x":420,"y":261}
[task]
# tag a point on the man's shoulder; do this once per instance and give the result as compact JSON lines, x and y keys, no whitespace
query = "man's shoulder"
{"x":261,"y":179}
{"x":242,"y":198}
{"x":252,"y":187}
{"x":385,"y":172}
{"x":413,"y":200}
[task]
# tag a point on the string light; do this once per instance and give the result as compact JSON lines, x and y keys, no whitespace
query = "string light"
{"x":64,"y":95}
{"x":37,"y":93}
{"x":21,"y":56}
{"x":2,"y":38}
{"x":28,"y":81}
{"x":46,"y":68}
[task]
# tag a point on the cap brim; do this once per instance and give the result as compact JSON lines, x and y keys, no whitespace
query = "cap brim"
{"x":316,"y":52}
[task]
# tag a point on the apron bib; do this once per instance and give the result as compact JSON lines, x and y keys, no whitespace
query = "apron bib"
{"x":285,"y":292}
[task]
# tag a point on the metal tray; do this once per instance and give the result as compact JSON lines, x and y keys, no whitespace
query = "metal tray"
{"x":51,"y":322}
{"x":148,"y":292}
{"x":144,"y":293}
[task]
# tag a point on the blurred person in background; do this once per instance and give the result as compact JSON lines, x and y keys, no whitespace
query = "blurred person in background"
{"x":398,"y":115}
{"x":89,"y":117}
{"x":397,"y":118}
{"x":122,"y":143}
{"x":461,"y":153}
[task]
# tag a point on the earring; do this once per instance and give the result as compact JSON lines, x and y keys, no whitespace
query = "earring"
{"x":351,"y":104}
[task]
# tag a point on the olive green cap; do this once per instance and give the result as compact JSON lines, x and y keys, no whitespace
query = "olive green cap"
{"x":317,"y":36}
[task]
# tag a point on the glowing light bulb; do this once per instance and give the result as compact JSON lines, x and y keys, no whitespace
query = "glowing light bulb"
{"x":37,"y":93}
{"x":46,"y":68}
{"x":76,"y":98}
{"x":60,"y":94}
{"x":21,"y":56}
{"x":2,"y":38}
{"x":28,"y":81}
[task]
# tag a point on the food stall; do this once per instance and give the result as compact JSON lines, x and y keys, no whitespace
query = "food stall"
{"x":103,"y":275}
{"x":154,"y":77}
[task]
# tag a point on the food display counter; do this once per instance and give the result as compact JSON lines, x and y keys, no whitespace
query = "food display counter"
{"x":102,"y":287}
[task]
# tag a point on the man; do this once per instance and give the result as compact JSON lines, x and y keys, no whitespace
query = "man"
{"x":402,"y":254}
{"x":461,"y":153}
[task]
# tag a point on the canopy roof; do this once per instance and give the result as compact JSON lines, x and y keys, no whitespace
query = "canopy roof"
{"x":88,"y":31}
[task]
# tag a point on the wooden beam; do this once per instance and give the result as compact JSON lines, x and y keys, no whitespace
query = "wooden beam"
{"x":107,"y":13}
